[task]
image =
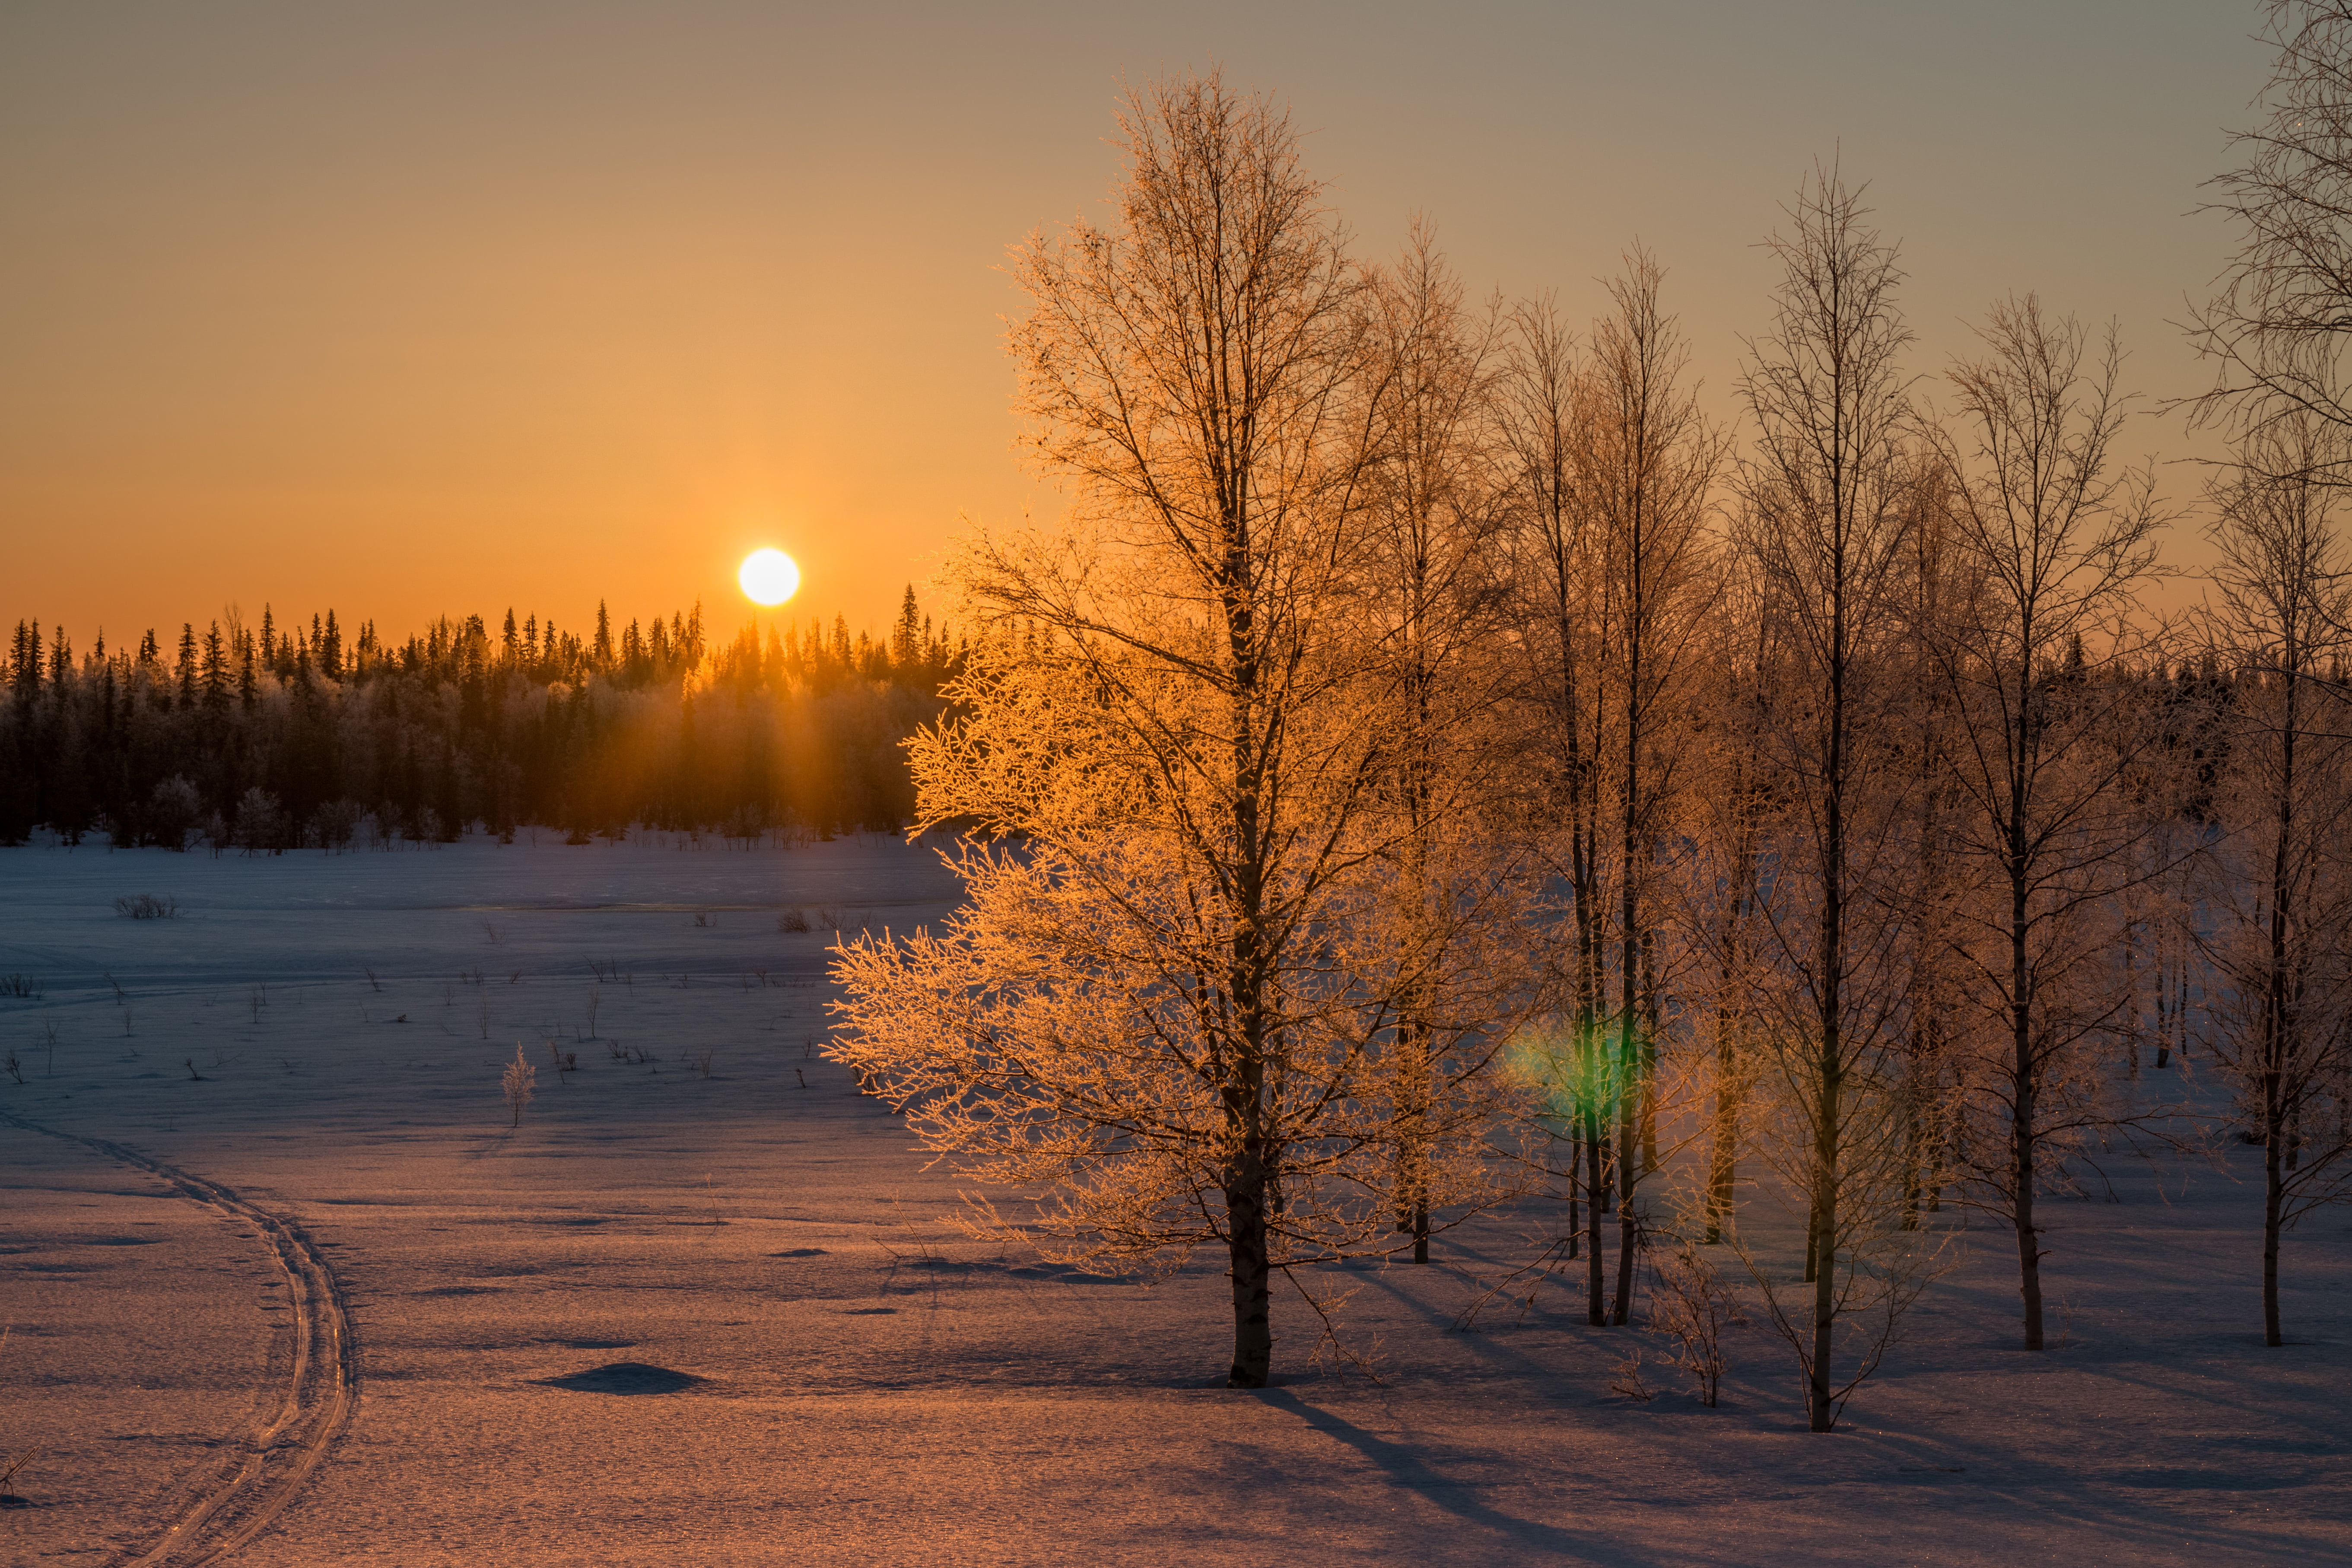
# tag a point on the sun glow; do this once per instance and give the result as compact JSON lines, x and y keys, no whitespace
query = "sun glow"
{"x":769,"y":577}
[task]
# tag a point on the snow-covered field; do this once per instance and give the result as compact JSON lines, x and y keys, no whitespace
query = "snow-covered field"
{"x":705,"y":1313}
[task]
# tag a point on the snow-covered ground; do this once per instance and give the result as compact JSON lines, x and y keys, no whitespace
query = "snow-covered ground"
{"x":685,"y":1316}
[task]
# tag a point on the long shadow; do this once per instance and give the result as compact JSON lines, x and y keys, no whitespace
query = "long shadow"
{"x":1544,"y":1376}
{"x":1408,"y":1469}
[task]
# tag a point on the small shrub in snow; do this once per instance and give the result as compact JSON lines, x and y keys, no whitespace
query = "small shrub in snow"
{"x":792,"y":920}
{"x":1626,"y":1382}
{"x":8,"y":1477}
{"x":1691,"y":1304}
{"x":517,"y":1085}
{"x":26,"y":988}
{"x":147,"y":907}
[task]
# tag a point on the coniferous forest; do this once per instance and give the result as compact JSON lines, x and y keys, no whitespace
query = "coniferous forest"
{"x":271,"y":737}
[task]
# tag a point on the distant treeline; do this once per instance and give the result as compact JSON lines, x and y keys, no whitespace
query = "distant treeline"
{"x":301,"y":736}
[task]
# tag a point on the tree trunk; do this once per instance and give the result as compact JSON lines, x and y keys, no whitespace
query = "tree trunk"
{"x":1822,"y":1414}
{"x":1596,"y":1156}
{"x":1575,"y":1204}
{"x":1628,"y":1148}
{"x":1252,"y":1323}
{"x":1723,"y":1164}
{"x":2029,"y":1239}
{"x":2025,"y":1110}
{"x":1914,"y":1143}
{"x":2273,"y":1210}
{"x":2279,"y":1052}
{"x":1649,"y":1051}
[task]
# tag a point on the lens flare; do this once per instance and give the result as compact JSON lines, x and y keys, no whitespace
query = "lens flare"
{"x":769,"y":577}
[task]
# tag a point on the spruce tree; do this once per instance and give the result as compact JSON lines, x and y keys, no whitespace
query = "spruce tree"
{"x":187,"y":670}
{"x":215,"y":670}
{"x":906,"y":637}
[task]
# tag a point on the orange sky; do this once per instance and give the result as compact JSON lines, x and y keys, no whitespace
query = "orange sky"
{"x":452,"y":308}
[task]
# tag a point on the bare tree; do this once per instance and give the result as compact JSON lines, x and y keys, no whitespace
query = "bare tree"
{"x":1560,"y":581}
{"x":1937,"y":584}
{"x":1430,"y":522}
{"x":1652,"y":465}
{"x":2279,"y":930}
{"x":2049,"y":731}
{"x":1723,"y":875}
{"x":2280,"y":318}
{"x":1614,"y":469}
{"x":1826,"y":504}
{"x":1167,"y":1005}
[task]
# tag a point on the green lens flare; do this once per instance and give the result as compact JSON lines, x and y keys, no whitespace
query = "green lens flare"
{"x":1579,"y":1072}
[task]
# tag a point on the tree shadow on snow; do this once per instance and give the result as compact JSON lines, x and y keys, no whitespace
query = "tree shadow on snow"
{"x":1408,"y":1469}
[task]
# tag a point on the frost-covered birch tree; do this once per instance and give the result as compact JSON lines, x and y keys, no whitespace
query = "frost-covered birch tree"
{"x":1826,"y":501}
{"x":1559,"y":581}
{"x":2280,"y":320}
{"x":1430,"y":585}
{"x":1168,"y":1009}
{"x":2049,"y":735}
{"x":2277,"y":895}
{"x":1651,"y":466}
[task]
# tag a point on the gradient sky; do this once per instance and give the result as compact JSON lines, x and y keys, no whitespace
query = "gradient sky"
{"x":417,"y":309}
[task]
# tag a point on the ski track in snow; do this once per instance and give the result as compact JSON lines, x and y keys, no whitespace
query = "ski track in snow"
{"x":236,"y":1499}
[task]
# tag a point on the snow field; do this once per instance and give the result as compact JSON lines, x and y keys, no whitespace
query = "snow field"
{"x":813,"y":1368}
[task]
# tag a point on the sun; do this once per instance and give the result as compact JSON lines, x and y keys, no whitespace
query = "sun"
{"x":769,"y":577}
